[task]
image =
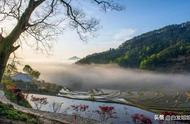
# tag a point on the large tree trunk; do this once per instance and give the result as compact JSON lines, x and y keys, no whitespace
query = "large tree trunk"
{"x":3,"y":61}
{"x":5,"y":50}
{"x":6,"y":44}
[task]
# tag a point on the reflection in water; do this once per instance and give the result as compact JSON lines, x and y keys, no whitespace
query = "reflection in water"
{"x":104,"y":112}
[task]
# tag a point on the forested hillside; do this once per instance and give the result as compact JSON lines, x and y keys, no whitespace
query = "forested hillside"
{"x":165,"y":49}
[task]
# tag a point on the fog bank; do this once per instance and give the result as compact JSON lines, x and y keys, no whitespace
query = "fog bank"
{"x":83,"y":77}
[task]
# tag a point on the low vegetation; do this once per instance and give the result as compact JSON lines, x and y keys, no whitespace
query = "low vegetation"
{"x":13,"y":93}
{"x":40,"y":87}
{"x":8,"y":112}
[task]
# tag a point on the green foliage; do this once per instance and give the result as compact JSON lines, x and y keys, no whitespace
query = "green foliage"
{"x":8,"y":84}
{"x":167,"y":47}
{"x":12,"y":97}
{"x":40,"y":87}
{"x":9,"y":112}
{"x":27,"y":69}
{"x":34,"y":73}
{"x":149,"y":62}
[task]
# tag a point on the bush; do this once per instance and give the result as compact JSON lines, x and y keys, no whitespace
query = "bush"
{"x":9,"y":112}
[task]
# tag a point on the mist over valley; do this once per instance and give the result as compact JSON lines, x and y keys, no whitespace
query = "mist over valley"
{"x":85,"y":77}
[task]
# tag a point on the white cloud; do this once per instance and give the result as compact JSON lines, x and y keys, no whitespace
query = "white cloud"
{"x":124,"y":34}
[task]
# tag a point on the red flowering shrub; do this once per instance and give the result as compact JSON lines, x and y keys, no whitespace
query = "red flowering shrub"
{"x":10,"y":86}
{"x":41,"y":99}
{"x":81,"y":108}
{"x":38,"y":101}
{"x":78,"y":108}
{"x":140,"y":118}
{"x":17,"y":93}
{"x":168,"y":113}
{"x":106,"y":112}
{"x":165,"y":114}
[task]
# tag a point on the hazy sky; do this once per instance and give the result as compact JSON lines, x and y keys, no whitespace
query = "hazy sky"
{"x":140,"y":16}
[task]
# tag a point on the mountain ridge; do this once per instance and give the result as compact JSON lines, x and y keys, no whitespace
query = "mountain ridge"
{"x":164,"y":49}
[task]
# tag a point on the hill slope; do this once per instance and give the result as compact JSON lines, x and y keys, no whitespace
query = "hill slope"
{"x":165,"y":49}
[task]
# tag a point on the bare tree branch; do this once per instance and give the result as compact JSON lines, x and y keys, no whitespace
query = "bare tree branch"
{"x":109,"y":4}
{"x":37,"y":19}
{"x":42,"y":20}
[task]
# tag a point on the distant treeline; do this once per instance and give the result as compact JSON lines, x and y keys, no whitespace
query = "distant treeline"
{"x":165,"y":49}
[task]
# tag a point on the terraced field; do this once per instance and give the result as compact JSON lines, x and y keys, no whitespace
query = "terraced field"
{"x":158,"y":102}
